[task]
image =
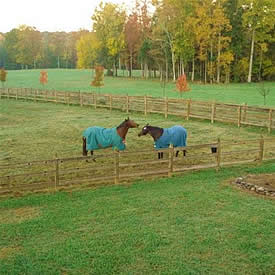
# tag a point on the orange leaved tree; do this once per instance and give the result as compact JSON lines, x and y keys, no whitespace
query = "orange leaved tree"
{"x":182,"y":85}
{"x":3,"y":76}
{"x":43,"y":77}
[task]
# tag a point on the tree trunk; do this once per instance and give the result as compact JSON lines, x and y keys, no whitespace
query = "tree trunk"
{"x":205,"y":71}
{"x":174,"y":65}
{"x":211,"y":62}
{"x":193,"y":69}
{"x":260,"y":66}
{"x":251,"y":57}
{"x":219,"y":58}
{"x":131,"y":64}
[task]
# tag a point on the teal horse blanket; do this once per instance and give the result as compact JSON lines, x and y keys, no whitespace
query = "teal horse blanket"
{"x":99,"y":137}
{"x":175,"y":135}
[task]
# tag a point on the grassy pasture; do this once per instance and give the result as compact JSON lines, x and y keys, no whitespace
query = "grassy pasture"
{"x":75,"y":80}
{"x":193,"y":224}
{"x":31,"y":131}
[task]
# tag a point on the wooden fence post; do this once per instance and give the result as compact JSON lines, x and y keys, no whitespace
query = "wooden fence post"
{"x":81,"y":99}
{"x":0,"y":93}
{"x":171,"y":160}
{"x":16,"y":94}
{"x":219,"y":154}
{"x":127,"y":104}
{"x":111,"y":102}
{"x":244,"y":112}
{"x":55,"y":96}
{"x":213,"y":113}
{"x":261,"y":151}
{"x":239,"y":116}
{"x":145,"y":105}
{"x":117,"y":155}
{"x":8,"y":94}
{"x":56,"y":172}
{"x":188,"y":109}
{"x":166,"y":107}
{"x":95,"y":99}
{"x":270,"y":120}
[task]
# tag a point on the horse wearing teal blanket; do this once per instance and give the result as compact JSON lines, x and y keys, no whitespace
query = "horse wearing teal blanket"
{"x":96,"y":137}
{"x":163,"y":137}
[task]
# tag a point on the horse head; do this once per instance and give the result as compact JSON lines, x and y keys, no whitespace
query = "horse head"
{"x":130,"y":123}
{"x":144,"y":131}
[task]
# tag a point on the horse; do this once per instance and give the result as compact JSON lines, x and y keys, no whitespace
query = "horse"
{"x":96,"y":137}
{"x":163,"y":137}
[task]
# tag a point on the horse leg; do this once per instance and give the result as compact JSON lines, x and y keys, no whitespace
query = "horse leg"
{"x":177,"y":153}
{"x":92,"y":152}
{"x":160,"y":155}
{"x":84,"y":151}
{"x":184,"y":153}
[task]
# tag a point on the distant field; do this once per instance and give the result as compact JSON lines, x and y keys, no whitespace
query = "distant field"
{"x":79,"y":80}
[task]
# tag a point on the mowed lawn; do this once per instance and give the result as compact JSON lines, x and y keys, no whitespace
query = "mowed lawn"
{"x":79,"y":80}
{"x":38,"y":131}
{"x":197,"y":223}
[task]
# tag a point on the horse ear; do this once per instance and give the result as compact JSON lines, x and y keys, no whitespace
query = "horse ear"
{"x":147,"y":124}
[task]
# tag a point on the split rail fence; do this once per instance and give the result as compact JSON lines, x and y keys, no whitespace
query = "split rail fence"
{"x":213,"y":111}
{"x":118,"y":167}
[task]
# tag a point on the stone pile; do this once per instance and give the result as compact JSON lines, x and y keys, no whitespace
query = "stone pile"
{"x":243,"y":183}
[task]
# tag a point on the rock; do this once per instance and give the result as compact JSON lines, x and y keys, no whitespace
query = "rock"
{"x":239,"y":180}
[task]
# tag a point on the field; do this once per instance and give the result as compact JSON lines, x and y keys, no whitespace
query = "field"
{"x":75,"y":80}
{"x":29,"y":129}
{"x":195,"y":223}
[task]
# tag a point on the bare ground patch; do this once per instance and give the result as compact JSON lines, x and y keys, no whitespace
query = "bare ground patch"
{"x":8,"y":251}
{"x":18,"y":215}
{"x":260,"y":184}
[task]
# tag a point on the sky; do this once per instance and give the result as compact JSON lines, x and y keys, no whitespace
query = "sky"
{"x":51,"y":15}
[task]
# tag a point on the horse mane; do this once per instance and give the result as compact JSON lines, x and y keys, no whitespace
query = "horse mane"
{"x":122,"y":124}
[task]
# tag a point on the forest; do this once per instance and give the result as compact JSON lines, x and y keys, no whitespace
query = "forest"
{"x":211,"y":41}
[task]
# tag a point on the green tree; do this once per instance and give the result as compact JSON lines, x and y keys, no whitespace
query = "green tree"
{"x":87,"y":50}
{"x":28,"y":46}
{"x":108,"y":24}
{"x":258,"y":18}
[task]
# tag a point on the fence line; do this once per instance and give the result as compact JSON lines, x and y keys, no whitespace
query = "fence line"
{"x":187,"y":108}
{"x":118,"y":167}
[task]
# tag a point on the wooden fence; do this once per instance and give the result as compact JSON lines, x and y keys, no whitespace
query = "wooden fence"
{"x":213,"y":111}
{"x":118,"y":167}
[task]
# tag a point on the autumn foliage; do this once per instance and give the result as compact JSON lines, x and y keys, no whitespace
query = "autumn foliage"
{"x":3,"y":75}
{"x":99,"y":75}
{"x":43,"y":77}
{"x":181,"y":84}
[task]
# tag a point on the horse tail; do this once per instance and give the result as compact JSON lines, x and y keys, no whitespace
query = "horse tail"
{"x":84,"y":150}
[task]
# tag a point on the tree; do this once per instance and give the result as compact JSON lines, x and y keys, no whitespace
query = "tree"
{"x":132,"y":38}
{"x":181,"y":84}
{"x":28,"y":46}
{"x":258,"y":19}
{"x":43,"y":77}
{"x":87,"y":50}
{"x":263,"y":91}
{"x":108,"y":24}
{"x":3,"y":76}
{"x":98,"y":78}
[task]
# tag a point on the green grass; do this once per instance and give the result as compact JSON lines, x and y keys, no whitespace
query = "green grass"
{"x":30,"y":130}
{"x":192,"y":224}
{"x":79,"y":80}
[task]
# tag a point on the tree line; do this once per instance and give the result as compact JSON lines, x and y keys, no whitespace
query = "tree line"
{"x":211,"y":41}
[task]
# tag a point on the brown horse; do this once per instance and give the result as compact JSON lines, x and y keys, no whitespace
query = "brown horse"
{"x":95,"y":138}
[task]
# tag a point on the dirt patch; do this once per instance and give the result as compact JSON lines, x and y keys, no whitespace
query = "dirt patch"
{"x":8,"y":251}
{"x":262,"y":184}
{"x":18,"y":215}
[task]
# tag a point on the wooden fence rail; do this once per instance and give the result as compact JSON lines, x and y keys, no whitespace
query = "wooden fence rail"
{"x":117,"y":167}
{"x":187,"y":108}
